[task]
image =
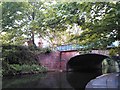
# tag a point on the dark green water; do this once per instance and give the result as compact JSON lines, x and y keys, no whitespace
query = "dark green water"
{"x":70,"y":80}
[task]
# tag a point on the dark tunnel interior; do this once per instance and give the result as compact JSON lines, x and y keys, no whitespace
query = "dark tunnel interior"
{"x":86,"y":63}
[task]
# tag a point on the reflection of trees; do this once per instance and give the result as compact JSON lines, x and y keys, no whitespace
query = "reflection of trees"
{"x":109,"y":65}
{"x":22,"y":81}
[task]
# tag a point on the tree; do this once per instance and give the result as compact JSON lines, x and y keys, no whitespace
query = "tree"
{"x":101,"y":26}
{"x":21,"y":20}
{"x":59,"y":17}
{"x":98,"y":22}
{"x":12,"y":21}
{"x":34,"y":17}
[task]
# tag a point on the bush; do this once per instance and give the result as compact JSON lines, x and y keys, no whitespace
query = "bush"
{"x":21,"y":69}
{"x":33,"y":68}
{"x":112,"y":52}
{"x":18,"y":55}
{"x":19,"y":59}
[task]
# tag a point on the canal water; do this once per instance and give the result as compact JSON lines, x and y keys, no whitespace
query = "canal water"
{"x":68,"y":80}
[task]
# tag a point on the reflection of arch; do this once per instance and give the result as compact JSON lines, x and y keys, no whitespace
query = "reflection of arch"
{"x":86,"y":62}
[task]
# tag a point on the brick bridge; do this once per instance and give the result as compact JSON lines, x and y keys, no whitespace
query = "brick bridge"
{"x":62,"y":59}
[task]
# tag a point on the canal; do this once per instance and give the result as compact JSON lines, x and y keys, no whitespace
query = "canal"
{"x":68,"y":80}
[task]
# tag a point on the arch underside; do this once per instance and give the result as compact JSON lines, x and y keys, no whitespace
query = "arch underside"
{"x":86,"y":62}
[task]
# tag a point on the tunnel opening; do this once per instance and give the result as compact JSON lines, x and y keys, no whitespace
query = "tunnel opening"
{"x":86,"y":63}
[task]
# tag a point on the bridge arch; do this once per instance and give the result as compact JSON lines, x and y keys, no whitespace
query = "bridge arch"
{"x":86,"y":62}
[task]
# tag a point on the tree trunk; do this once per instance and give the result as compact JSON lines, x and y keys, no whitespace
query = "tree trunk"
{"x":33,"y":40}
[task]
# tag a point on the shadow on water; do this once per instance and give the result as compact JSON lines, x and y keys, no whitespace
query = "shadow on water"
{"x":23,"y":81}
{"x":59,"y":80}
{"x":79,"y":80}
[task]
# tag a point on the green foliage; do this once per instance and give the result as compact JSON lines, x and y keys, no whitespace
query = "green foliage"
{"x":18,"y":55}
{"x":38,"y":50}
{"x":12,"y":38}
{"x":11,"y":13}
{"x":20,"y":59}
{"x":20,"y":19}
{"x":47,"y":50}
{"x":98,"y":21}
{"x":31,"y":18}
{"x":110,"y":66}
{"x":15,"y":69}
{"x":101,"y":26}
{"x":112,"y":52}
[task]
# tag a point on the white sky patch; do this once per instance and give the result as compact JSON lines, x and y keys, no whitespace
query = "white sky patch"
{"x":45,"y":43}
{"x":18,"y":12}
{"x":75,"y":29}
{"x":116,"y":43}
{"x":3,"y":33}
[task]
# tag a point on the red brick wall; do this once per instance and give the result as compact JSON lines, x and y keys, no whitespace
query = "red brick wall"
{"x":56,"y":60}
{"x":65,"y":57}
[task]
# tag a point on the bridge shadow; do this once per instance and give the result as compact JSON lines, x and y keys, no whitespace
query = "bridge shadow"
{"x":82,"y":68}
{"x":79,"y":80}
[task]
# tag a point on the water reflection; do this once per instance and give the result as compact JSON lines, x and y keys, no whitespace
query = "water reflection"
{"x":70,"y":80}
{"x":25,"y":81}
{"x":79,"y":80}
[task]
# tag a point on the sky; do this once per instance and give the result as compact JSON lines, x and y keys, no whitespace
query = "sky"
{"x":45,"y":43}
{"x":116,"y":43}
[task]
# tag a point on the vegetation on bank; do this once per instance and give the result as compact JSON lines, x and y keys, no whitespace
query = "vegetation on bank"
{"x":20,"y":60}
{"x":16,"y":69}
